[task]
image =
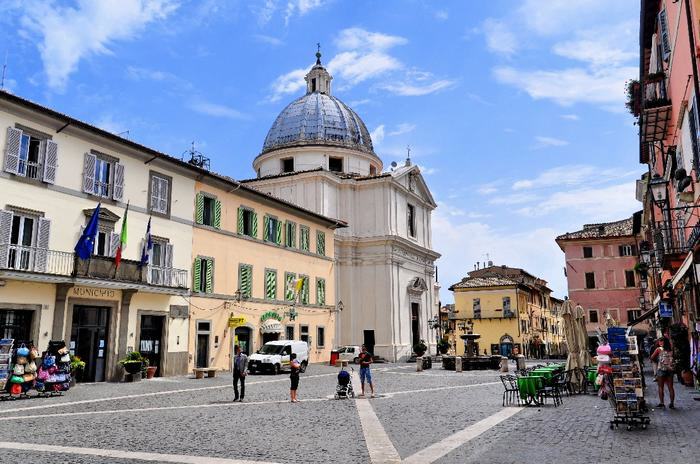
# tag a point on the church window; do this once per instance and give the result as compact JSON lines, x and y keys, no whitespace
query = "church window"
{"x":288,"y":165}
{"x":335,"y":164}
{"x":411,"y":220}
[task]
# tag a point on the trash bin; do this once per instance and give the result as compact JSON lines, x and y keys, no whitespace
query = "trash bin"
{"x":504,"y":364}
{"x":335,"y":355}
{"x":520,"y":362}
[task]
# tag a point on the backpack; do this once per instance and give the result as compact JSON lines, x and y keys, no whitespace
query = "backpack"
{"x":666,"y":360}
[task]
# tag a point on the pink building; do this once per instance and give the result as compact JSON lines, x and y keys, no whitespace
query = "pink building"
{"x":600,"y":261}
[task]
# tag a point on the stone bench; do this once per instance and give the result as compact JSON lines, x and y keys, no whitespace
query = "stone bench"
{"x":199,"y":372}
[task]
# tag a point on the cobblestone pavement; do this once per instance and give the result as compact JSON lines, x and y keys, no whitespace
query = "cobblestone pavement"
{"x":433,"y":416}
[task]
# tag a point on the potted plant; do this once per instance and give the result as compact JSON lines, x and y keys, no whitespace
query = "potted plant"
{"x":133,"y":363}
{"x":443,"y":346}
{"x":150,"y":370}
{"x":633,"y":92}
{"x":77,"y":366}
{"x":420,"y":348}
{"x":642,"y":269}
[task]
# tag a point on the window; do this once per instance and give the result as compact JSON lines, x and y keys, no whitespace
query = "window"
{"x":203,"y":275}
{"x":320,"y":292}
{"x":633,"y":314}
{"x":288,"y":165}
{"x":245,"y":280}
{"x":290,"y":332}
{"x":16,"y":324}
{"x":103,"y":176}
{"x":304,"y":294}
{"x":476,"y":306}
{"x":320,"y":243}
{"x":247,"y":222}
{"x":335,"y":164}
{"x":270,"y":284}
{"x":28,"y":240}
{"x":627,"y":250}
{"x":629,"y":279}
{"x":272,"y":230}
{"x":523,"y":326}
{"x":411,"y":220}
{"x":506,"y":307}
{"x":31,"y":154}
{"x":290,"y":234}
{"x":593,"y":315}
{"x":304,"y":238}
{"x":590,"y":280}
{"x":160,"y":261}
{"x":29,"y":157}
{"x":289,"y":290}
{"x":372,"y":170}
{"x":320,"y":337}
{"x":208,"y":210}
{"x":160,"y":194}
{"x":304,"y":333}
{"x":587,"y":252}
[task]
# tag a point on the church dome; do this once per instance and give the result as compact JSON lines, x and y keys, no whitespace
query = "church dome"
{"x":318,"y":118}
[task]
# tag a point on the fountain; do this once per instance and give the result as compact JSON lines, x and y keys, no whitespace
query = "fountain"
{"x":469,"y":345}
{"x":471,"y":360}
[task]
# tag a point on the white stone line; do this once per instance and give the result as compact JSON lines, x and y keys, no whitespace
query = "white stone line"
{"x":120,"y":454}
{"x":437,"y":450}
{"x":141,"y":395}
{"x":379,"y":445}
{"x":451,"y":387}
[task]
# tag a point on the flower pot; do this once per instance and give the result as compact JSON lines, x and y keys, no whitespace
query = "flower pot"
{"x":151,"y":371}
{"x":687,"y":378}
{"x":133,"y":367}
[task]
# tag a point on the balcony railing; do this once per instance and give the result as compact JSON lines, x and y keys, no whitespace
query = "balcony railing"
{"x":33,"y":259}
{"x":167,"y":277}
{"x":656,"y":108}
{"x":29,"y":169}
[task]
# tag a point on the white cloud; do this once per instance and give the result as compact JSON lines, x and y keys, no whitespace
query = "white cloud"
{"x":268,"y":39}
{"x":377,"y":135}
{"x":572,"y":175}
{"x":356,"y":38}
{"x":608,"y":46}
{"x":604,"y":204}
{"x":570,"y":117}
{"x":562,"y":16}
{"x":407,"y":89}
{"x":356,"y":103}
{"x":108,"y":123}
{"x":215,"y":110}
{"x":499,"y":37}
{"x":292,"y":82}
{"x":72,"y":33}
{"x":487,"y":189}
{"x":301,"y":7}
{"x":263,"y":10}
{"x":426,"y":171}
{"x":514,"y":199}
{"x":355,"y":67}
{"x":546,"y":142}
{"x":441,"y":15}
{"x":478,"y":99}
{"x":402,"y":128}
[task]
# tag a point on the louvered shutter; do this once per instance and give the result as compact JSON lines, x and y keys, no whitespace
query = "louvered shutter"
{"x":270,"y":285}
{"x":239,"y":222}
{"x":199,"y":209}
{"x":321,"y":243}
{"x":14,"y":141}
{"x":118,"y":192}
{"x":304,"y":239}
{"x":278,"y":233}
{"x":210,"y":276}
{"x":266,"y":229}
{"x":246,"y":280}
{"x":196,"y":274}
{"x":164,"y":195}
{"x":42,"y":245}
{"x":168,"y":265}
{"x":254,"y":225}
{"x":289,"y":287}
{"x":621,"y":252}
{"x":155,"y":193}
{"x":665,"y":39}
{"x":113,"y":244}
{"x":217,"y":214}
{"x":89,"y":173}
{"x":5,"y":231}
{"x":305,"y":290}
{"x":50,"y":161}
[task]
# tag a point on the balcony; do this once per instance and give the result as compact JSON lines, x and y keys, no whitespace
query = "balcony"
{"x":670,"y":248}
{"x":32,"y":259}
{"x":656,"y":108}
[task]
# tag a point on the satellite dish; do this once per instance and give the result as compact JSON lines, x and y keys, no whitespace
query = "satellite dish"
{"x":393,"y":164}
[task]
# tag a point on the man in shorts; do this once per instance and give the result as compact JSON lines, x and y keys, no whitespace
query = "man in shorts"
{"x":365,"y":374}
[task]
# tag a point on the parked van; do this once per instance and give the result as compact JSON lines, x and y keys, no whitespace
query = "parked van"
{"x":275,"y":356}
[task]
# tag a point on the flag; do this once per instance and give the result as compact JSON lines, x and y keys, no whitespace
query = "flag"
{"x":299,"y":285}
{"x":86,"y":242}
{"x":147,"y":245}
{"x":122,"y":239}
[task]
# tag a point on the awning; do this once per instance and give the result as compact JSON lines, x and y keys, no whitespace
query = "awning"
{"x":644,"y":316}
{"x":683,"y":269}
{"x":271,"y":326}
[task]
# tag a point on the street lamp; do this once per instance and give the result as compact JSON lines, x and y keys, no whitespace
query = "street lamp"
{"x":340,"y":306}
{"x":659,"y":192}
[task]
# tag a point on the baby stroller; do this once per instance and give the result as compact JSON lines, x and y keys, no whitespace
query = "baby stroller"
{"x":344,"y":387}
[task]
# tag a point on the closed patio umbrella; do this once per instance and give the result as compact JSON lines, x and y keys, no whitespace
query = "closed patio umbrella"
{"x":582,"y":336}
{"x":572,"y":340}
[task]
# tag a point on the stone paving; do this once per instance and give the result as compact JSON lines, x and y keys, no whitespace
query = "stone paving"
{"x":194,"y":421}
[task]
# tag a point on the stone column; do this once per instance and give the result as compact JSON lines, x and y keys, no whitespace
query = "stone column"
{"x":59,"y":312}
{"x":124,"y":322}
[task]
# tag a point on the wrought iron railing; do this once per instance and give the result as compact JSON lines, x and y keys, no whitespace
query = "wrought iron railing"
{"x":167,"y":277}
{"x":654,"y":93}
{"x":34,"y":259}
{"x":29,"y":169}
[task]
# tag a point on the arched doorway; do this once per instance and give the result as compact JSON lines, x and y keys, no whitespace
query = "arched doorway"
{"x":271,"y":330}
{"x":244,"y":339}
{"x":506,"y":345}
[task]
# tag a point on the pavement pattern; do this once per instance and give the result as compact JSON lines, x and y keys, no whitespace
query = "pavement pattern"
{"x":416,"y":417}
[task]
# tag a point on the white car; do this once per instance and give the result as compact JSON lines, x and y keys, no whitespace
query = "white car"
{"x":274,"y":356}
{"x":350,"y":354}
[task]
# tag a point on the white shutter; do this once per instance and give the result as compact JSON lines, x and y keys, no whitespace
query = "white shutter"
{"x":118,"y":192}
{"x":14,"y":141}
{"x":164,"y":196}
{"x":155,"y":188}
{"x":42,"y":245}
{"x":665,"y":39}
{"x":50,"y":162}
{"x":89,"y":173}
{"x":5,"y":231}
{"x":168,"y":265}
{"x":113,"y":244}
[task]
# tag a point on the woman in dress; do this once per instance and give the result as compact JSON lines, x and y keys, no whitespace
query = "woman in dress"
{"x":663,"y":356}
{"x":295,"y":366}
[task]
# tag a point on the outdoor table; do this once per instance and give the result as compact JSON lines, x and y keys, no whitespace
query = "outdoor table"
{"x":529,"y":386}
{"x":591,"y":375}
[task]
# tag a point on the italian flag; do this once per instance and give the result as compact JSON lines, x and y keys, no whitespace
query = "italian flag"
{"x":122,"y":239}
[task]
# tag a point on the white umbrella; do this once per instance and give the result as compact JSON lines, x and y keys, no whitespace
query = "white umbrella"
{"x":570,"y":332}
{"x":582,"y":335}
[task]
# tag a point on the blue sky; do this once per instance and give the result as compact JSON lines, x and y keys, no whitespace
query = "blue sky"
{"x":514,"y":108}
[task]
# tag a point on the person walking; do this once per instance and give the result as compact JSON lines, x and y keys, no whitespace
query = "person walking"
{"x":365,"y":373}
{"x":663,"y":356}
{"x":295,"y":366}
{"x":654,"y":364}
{"x":240,"y":367}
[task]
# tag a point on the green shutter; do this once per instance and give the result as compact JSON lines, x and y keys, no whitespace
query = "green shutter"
{"x":245,"y":280}
{"x":217,"y":214}
{"x":305,"y":290}
{"x":271,"y":285}
{"x":266,"y":229}
{"x":199,"y":209}
{"x":240,"y":220}
{"x":304,"y":239}
{"x":320,"y":243}
{"x":320,"y":291}
{"x":254,"y":227}
{"x":289,"y":286}
{"x":196,"y":274}
{"x":210,"y":276}
{"x":278,"y":233}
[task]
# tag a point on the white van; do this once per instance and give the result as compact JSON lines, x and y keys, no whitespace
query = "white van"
{"x":274,"y":356}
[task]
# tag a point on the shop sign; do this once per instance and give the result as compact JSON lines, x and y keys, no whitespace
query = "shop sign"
{"x":234,"y":322}
{"x":270,"y":315}
{"x":665,"y":309}
{"x":94,"y":292}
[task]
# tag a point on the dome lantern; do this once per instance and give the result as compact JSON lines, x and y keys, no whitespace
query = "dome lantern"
{"x":318,"y":79}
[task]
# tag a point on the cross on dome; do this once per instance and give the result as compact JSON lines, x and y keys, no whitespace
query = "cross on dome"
{"x":318,"y":79}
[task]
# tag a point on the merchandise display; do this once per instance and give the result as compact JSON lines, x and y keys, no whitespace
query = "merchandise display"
{"x":23,"y":370}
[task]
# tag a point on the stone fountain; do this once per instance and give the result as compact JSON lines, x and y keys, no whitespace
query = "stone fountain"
{"x":469,"y":345}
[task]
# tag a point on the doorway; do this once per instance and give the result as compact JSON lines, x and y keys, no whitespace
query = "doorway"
{"x":243,"y":335}
{"x":369,"y":340}
{"x":89,"y":340}
{"x":415,"y":324}
{"x":202,"y":346}
{"x":151,"y":340}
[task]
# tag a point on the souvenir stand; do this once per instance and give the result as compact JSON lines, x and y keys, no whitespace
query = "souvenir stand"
{"x":23,"y":370}
{"x":621,"y":381}
{"x":5,"y":362}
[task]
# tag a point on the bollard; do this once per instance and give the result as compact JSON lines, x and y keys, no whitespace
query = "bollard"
{"x":504,"y":364}
{"x":458,"y":364}
{"x":419,"y":364}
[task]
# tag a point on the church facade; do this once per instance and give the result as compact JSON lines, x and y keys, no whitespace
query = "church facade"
{"x":319,"y":155}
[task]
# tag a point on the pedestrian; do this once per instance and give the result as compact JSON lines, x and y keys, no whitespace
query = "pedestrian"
{"x":240,"y":368}
{"x":365,"y":373}
{"x":663,"y":356}
{"x":295,"y":366}
{"x":654,"y":364}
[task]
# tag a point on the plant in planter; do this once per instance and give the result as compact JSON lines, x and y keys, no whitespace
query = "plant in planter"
{"x":77,"y":366}
{"x":633,"y":91}
{"x":443,"y":346}
{"x":420,"y":348}
{"x":133,"y":363}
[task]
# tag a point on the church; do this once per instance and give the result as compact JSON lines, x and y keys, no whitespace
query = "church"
{"x":319,"y":155}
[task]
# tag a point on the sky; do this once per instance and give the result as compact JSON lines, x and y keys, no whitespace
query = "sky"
{"x":514,"y":109}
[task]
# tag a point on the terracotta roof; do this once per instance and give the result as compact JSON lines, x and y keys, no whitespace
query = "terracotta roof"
{"x":476,"y":282}
{"x":621,"y":228}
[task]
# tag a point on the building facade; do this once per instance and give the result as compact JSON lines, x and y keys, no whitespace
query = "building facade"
{"x":319,"y":155}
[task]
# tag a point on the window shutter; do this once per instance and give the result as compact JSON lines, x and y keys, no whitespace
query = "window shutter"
{"x":5,"y":231}
{"x":89,"y":173}
{"x":240,"y":220}
{"x":14,"y":141}
{"x":199,"y":209}
{"x":210,"y":276}
{"x":217,"y":214}
{"x":168,"y":265}
{"x":321,"y":243}
{"x":271,"y":285}
{"x":665,"y":39}
{"x":164,"y":195}
{"x":42,"y":244}
{"x":168,"y":255}
{"x":305,"y":290}
{"x":113,"y":244}
{"x":320,"y":291}
{"x":254,"y":228}
{"x":155,"y":189}
{"x":246,"y":280}
{"x":196,"y":274}
{"x":118,"y":192}
{"x":289,"y":286}
{"x":266,"y":228}
{"x":634,"y":250}
{"x":278,"y":233}
{"x":621,"y":252}
{"x":50,"y":161}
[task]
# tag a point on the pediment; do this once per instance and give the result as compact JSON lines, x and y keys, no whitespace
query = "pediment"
{"x":412,"y":179}
{"x":105,"y":214}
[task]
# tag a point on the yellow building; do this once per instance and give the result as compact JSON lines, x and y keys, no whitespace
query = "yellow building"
{"x":511,"y":310}
{"x":249,"y":251}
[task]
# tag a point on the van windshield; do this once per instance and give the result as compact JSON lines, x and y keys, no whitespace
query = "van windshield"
{"x":270,"y":349}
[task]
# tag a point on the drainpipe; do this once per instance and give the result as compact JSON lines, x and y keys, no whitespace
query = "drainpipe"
{"x":691,"y":42}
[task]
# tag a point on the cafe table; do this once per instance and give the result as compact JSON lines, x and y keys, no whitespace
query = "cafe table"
{"x":529,"y":386}
{"x":546,"y":372}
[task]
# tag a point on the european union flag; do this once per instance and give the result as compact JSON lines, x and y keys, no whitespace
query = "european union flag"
{"x":86,"y":243}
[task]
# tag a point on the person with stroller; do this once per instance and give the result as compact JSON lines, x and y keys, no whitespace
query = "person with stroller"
{"x":365,"y":373}
{"x":294,"y":366}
